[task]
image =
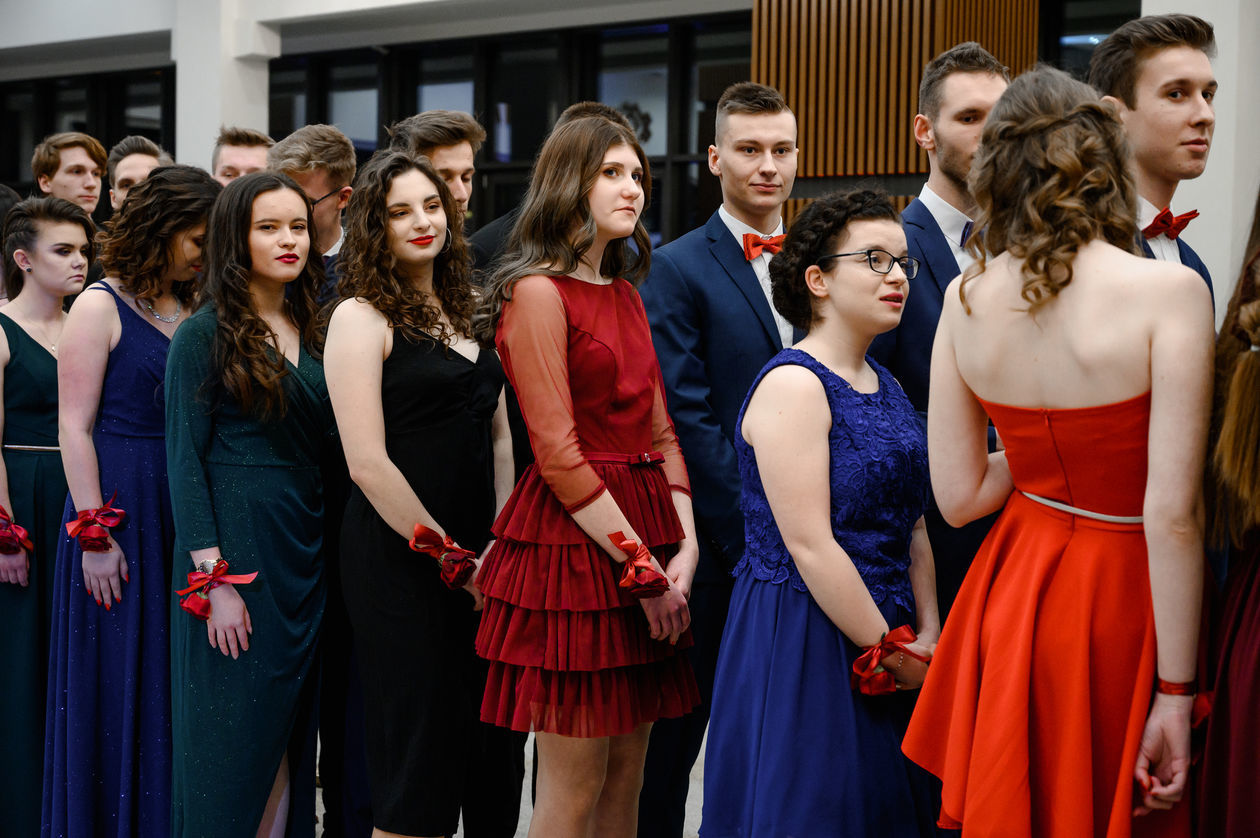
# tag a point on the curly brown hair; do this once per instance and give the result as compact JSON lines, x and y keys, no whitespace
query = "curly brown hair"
{"x":136,"y":246}
{"x":368,"y":268}
{"x":1050,"y":176}
{"x":1233,"y":484}
{"x":247,"y":365}
{"x":543,"y":240}
{"x":815,"y":234}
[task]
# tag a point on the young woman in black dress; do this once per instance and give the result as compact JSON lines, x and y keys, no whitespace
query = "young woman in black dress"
{"x":421,"y":414}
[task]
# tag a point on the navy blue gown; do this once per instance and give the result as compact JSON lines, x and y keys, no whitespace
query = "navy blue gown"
{"x":107,"y":761}
{"x":792,"y":749}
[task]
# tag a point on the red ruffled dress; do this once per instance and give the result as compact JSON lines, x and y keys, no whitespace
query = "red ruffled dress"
{"x":569,"y":651}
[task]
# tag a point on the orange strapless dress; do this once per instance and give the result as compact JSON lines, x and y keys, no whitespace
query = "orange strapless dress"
{"x":1034,"y":705}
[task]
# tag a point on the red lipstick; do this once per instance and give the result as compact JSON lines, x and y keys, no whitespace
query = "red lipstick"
{"x":421,"y":241}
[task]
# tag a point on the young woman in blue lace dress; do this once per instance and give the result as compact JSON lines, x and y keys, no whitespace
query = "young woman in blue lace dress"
{"x":834,"y":467}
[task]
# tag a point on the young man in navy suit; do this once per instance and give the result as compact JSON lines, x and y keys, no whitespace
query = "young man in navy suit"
{"x":958,"y":89}
{"x":1157,"y":72}
{"x":714,"y":328}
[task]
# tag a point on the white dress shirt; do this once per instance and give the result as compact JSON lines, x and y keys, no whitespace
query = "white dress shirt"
{"x":760,"y":266}
{"x":951,"y":221}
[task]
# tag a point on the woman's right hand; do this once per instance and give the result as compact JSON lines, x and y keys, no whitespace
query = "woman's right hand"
{"x":907,"y":671}
{"x":228,"y":627}
{"x":15,"y":568}
{"x":668,"y":615}
{"x":1163,"y":763}
{"x":104,"y":573}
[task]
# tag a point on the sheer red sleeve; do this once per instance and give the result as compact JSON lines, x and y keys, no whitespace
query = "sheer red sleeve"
{"x":665,"y":441}
{"x":533,"y":339}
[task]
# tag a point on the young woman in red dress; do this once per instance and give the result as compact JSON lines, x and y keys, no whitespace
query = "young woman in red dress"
{"x":586,"y":661}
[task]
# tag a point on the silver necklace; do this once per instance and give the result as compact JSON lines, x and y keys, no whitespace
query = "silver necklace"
{"x":174,"y":318}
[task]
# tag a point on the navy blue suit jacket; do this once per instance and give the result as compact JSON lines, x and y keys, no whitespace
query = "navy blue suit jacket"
{"x":907,"y":350}
{"x":713,"y":332}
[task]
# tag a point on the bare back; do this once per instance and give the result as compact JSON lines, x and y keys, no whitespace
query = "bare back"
{"x":1092,"y":344}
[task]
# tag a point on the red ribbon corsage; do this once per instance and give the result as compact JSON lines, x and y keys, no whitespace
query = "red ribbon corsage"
{"x":639,"y":578}
{"x":196,"y":597}
{"x":91,"y":526}
{"x":13,"y":538}
{"x":456,"y":563}
{"x":868,"y":676}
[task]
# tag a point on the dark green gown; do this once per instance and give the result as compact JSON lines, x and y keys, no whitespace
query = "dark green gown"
{"x":254,"y":489}
{"x":37,"y":490}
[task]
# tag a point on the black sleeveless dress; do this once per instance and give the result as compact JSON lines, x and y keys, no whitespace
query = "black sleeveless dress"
{"x":422,"y":681}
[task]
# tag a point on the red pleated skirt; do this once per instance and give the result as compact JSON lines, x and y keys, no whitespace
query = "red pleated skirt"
{"x":569,"y":650}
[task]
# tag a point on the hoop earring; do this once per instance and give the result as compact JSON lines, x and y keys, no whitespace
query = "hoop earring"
{"x":446,"y":245}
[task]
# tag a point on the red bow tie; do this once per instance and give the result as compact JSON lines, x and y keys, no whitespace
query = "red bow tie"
{"x":1168,"y":224}
{"x":754,"y":244}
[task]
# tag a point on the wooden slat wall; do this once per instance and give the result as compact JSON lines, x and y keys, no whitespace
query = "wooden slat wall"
{"x":850,"y":70}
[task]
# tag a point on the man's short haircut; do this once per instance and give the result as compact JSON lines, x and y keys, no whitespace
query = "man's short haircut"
{"x":135,"y":144}
{"x":967,"y":57}
{"x":748,"y":97}
{"x":578,"y":110}
{"x":1114,"y":66}
{"x":47,"y":157}
{"x":244,"y":137}
{"x":423,"y":132}
{"x":314,"y":147}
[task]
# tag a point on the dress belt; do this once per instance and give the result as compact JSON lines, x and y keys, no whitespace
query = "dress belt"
{"x":1084,"y":513}
{"x":647,"y":458}
{"x":17,"y":447}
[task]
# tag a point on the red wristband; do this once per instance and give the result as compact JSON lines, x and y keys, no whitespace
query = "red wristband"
{"x":196,"y":597}
{"x":91,"y":526}
{"x":455,"y":564}
{"x":13,"y":538}
{"x":1175,"y":687}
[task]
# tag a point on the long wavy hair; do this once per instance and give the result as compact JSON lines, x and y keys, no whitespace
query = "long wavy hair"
{"x":369,"y":269}
{"x":136,"y":245}
{"x":1050,"y":176}
{"x":1233,"y":484}
{"x":555,"y":228}
{"x":23,"y":224}
{"x":247,"y":362}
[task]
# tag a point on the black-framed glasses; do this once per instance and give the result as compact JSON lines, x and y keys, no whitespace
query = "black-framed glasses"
{"x":881,"y":261}
{"x":317,"y":201}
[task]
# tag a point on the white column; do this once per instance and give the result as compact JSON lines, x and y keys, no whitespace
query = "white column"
{"x":220,"y":53}
{"x":1225,"y":194}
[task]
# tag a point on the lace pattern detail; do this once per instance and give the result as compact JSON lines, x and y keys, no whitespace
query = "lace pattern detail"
{"x":879,"y":485}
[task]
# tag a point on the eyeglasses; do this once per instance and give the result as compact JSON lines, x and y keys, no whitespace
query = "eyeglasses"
{"x":317,"y":201}
{"x":881,"y":261}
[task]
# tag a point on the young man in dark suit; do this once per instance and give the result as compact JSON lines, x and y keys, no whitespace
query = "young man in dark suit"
{"x":714,"y":328}
{"x":958,"y":89}
{"x":1157,"y":72}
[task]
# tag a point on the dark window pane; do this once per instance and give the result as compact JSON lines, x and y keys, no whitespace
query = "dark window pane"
{"x":353,"y":93}
{"x":19,"y":136}
{"x":524,"y":100}
{"x":722,"y":58}
{"x":699,"y":196}
{"x":633,"y":78}
{"x":446,"y":83}
{"x":287,"y":110}
{"x":70,"y":109}
{"x":142,"y":109}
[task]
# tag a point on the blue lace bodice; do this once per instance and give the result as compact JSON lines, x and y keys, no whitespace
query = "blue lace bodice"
{"x":879,"y":484}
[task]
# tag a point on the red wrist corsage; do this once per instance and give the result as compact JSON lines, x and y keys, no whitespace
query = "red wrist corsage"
{"x":868,"y":676}
{"x":92,"y":526}
{"x":456,"y":563}
{"x":639,"y":578}
{"x":13,"y":538}
{"x":196,"y":597}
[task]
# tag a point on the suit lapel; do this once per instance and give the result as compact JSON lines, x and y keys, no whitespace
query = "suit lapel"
{"x":729,"y":255}
{"x":932,"y":244}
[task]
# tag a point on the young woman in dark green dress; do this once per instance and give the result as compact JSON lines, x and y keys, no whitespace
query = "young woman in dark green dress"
{"x":47,"y":250}
{"x":247,"y":420}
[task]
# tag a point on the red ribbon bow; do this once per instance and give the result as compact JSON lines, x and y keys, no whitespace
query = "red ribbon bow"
{"x":639,"y":578}
{"x":754,"y":244}
{"x":868,"y":676}
{"x":457,"y":565}
{"x":1169,"y":224}
{"x":92,"y":526}
{"x":196,"y":599}
{"x":13,"y":538}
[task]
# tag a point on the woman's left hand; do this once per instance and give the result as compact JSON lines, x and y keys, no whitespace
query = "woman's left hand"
{"x":1163,"y":763}
{"x":15,"y":568}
